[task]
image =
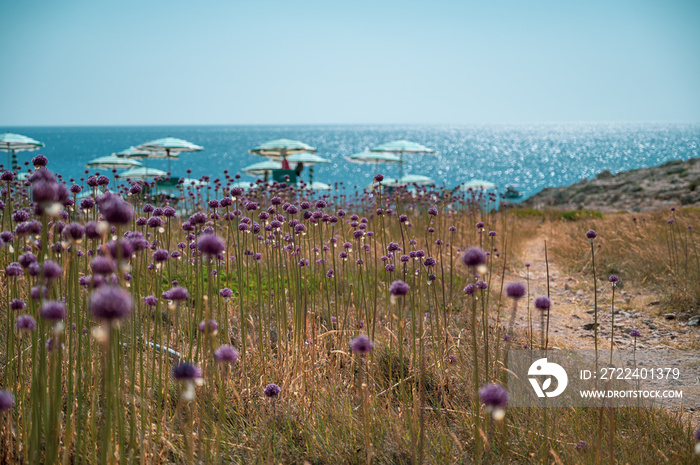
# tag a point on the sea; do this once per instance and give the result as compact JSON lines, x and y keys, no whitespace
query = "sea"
{"x":528,"y":157}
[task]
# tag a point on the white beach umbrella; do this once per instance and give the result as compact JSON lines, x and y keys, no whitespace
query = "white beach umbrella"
{"x":13,"y":143}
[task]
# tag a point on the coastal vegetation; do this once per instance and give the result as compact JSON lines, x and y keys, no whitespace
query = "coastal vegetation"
{"x":281,"y":325}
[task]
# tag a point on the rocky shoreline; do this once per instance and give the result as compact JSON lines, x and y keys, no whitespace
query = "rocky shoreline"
{"x":675,"y":183}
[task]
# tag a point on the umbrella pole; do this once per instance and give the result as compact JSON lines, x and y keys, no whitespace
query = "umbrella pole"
{"x":311,"y":175}
{"x":167,"y":155}
{"x":401,"y":165}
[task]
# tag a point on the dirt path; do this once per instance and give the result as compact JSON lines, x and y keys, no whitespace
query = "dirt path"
{"x":572,"y":316}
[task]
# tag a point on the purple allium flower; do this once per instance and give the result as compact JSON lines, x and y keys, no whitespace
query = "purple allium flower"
{"x":115,"y":210}
{"x":330,"y":273}
{"x":7,"y":401}
{"x":481,"y":284}
{"x":613,"y":279}
{"x":474,"y":257}
{"x":361,"y":344}
{"x":74,"y":231}
{"x":110,"y":303}
{"x":87,"y":203}
{"x":226,"y":293}
{"x":634,"y":333}
{"x":40,"y":160}
{"x":480,"y":225}
{"x":581,"y":446}
{"x":451,"y":359}
{"x":154,"y":222}
{"x":399,"y":288}
{"x":432,"y":211}
{"x":271,"y":391}
{"x":103,"y":266}
{"x":516,"y":290}
{"x":591,"y":235}
{"x":226,"y":354}
{"x":53,"y":310}
{"x":469,"y":289}
{"x":208,"y":326}
{"x":17,"y":304}
{"x":390,"y":268}
{"x":14,"y":270}
{"x":429,"y":262}
{"x":177,"y":294}
{"x":378,"y":177}
{"x":7,"y":237}
{"x":186,"y":372}
{"x":91,"y":230}
{"x":150,"y":301}
{"x":492,"y":233}
{"x":19,"y":216}
{"x":542,"y":303}
{"x":25,"y":323}
{"x":161,"y":255}
{"x":493,"y":395}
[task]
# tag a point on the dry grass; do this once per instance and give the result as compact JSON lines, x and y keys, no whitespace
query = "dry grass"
{"x":648,"y":252}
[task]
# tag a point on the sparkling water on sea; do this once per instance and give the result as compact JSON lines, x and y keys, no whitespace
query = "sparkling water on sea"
{"x":529,"y":157}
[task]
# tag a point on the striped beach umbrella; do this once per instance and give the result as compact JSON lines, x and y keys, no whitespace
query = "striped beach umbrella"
{"x":415,"y":179}
{"x":13,"y":143}
{"x":263,"y":168}
{"x":282,"y":148}
{"x":169,"y":145}
{"x":113,"y":162}
{"x":310,"y":159}
{"x":401,"y":147}
{"x":143,"y":173}
{"x":133,"y":152}
{"x":373,"y":158}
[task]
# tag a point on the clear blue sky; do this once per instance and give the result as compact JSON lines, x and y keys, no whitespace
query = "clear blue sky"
{"x":130,"y":62}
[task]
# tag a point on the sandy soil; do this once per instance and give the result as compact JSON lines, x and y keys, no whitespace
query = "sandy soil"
{"x":571,"y":315}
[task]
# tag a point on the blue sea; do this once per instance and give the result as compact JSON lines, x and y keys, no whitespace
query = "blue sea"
{"x":530,"y":157}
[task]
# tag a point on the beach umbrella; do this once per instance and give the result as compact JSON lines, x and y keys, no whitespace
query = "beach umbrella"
{"x":415,"y":179}
{"x":262,"y":168}
{"x":401,"y":147}
{"x":171,"y":146}
{"x":310,"y":159}
{"x":477,"y":185}
{"x":373,"y":158}
{"x":113,"y":162}
{"x":143,"y":173}
{"x":282,"y":148}
{"x":317,"y":186}
{"x":133,"y":152}
{"x":13,"y":143}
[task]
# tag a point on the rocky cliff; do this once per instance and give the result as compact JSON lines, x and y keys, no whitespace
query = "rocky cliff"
{"x":675,"y":183}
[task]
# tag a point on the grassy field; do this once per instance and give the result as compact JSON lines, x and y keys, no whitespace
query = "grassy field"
{"x":134,"y":332}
